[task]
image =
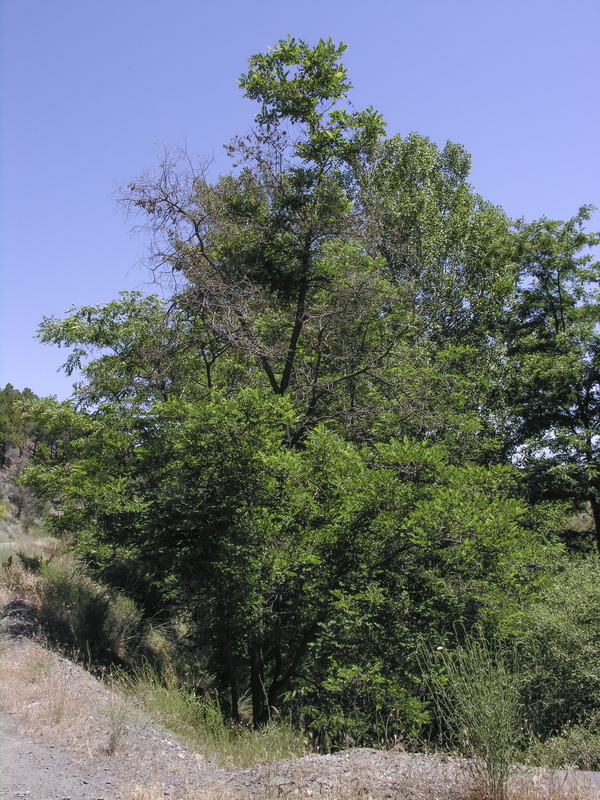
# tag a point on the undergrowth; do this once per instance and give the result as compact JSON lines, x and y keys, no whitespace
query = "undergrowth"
{"x":478,"y":698}
{"x":80,"y":616}
{"x":199,"y":722}
{"x":103,"y":629}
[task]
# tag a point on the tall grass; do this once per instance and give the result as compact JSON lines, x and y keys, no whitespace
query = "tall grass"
{"x":478,"y":706}
{"x":199,"y":722}
{"x":77,"y":614}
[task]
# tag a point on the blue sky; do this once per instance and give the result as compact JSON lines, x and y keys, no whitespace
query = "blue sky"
{"x":91,"y":88}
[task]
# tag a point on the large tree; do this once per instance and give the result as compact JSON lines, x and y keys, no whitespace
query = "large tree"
{"x":336,"y":265}
{"x":297,"y":445}
{"x":271,"y":254}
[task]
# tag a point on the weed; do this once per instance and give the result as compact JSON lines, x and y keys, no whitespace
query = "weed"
{"x":117,"y":715}
{"x":477,"y":700}
{"x":32,"y":563}
{"x":58,"y":700}
{"x":39,"y":664}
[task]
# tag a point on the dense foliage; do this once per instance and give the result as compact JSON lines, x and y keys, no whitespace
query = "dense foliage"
{"x":361,"y":419}
{"x":16,"y":428}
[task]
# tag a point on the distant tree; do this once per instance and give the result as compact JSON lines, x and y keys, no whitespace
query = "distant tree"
{"x":17,"y":428}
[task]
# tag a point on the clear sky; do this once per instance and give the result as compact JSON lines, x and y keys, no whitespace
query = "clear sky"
{"x":91,"y":88}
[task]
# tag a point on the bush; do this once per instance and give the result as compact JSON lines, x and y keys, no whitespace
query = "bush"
{"x":476,"y":697}
{"x":560,"y":649}
{"x":358,"y":707}
{"x":577,"y":746}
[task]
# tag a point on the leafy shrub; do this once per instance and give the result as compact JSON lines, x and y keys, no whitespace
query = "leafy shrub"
{"x":358,"y":706}
{"x":576,"y":746}
{"x":561,"y":653}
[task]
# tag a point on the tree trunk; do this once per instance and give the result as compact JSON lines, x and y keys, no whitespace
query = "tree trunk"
{"x":260,"y":711}
{"x":233,"y":683}
{"x":596,"y":514}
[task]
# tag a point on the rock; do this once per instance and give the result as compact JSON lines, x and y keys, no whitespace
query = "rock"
{"x":19,"y":618}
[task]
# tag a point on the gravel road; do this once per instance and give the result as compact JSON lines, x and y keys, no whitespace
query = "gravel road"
{"x":36,"y":771}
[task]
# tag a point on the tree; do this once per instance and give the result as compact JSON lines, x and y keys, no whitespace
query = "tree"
{"x":271,"y":256}
{"x":134,"y":351}
{"x":298,"y":445}
{"x":331,"y":260}
{"x":296,"y":570}
{"x":454,"y":258}
{"x":554,"y":343}
{"x":15,"y":428}
{"x":450,"y":250}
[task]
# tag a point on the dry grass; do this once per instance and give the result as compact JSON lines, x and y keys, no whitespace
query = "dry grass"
{"x":550,"y":785}
{"x":355,"y":786}
{"x":55,"y":699}
{"x":85,"y":619}
{"x":91,"y":722}
{"x":78,"y":614}
{"x":156,"y":792}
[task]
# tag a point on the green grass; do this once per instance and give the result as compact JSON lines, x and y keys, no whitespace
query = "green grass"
{"x":198,"y":721}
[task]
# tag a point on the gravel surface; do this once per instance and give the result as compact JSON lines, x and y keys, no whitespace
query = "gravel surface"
{"x":32,"y":769}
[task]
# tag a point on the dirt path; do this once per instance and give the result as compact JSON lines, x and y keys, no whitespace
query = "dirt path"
{"x":30,"y":769}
